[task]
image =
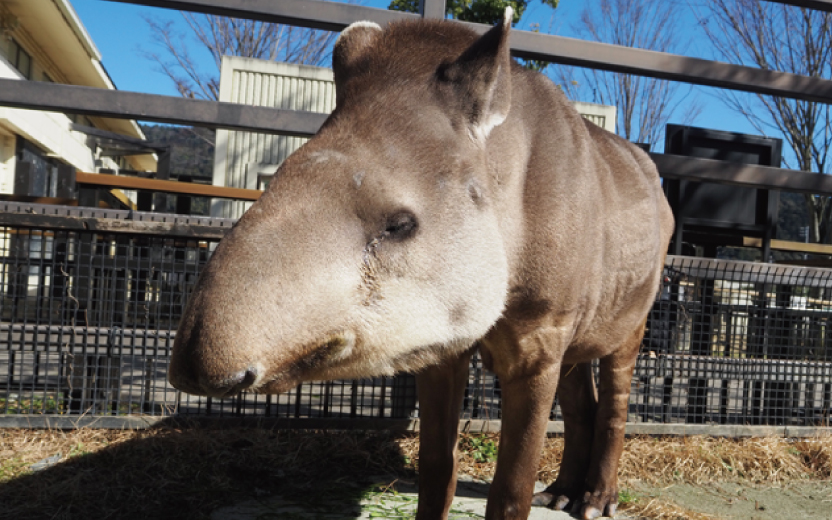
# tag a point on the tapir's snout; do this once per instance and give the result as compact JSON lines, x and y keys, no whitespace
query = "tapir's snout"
{"x":232,"y":385}
{"x":200,"y":365}
{"x":188,"y":374}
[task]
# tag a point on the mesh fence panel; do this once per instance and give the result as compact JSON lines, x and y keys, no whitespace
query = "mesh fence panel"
{"x":87,"y":321}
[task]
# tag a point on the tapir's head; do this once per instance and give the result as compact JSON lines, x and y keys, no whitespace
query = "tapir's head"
{"x":376,"y":247}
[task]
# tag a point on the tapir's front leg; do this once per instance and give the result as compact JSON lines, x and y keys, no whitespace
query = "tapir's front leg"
{"x":440,"y":391}
{"x":528,"y":378}
{"x":579,"y":405}
{"x":616,"y":374}
{"x":526,"y":405}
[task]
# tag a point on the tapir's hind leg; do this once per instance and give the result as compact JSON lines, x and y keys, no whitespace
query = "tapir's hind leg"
{"x":616,"y":374}
{"x":578,"y":404}
{"x":440,"y":390}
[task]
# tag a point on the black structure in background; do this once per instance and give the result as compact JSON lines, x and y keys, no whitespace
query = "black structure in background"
{"x":712,"y":215}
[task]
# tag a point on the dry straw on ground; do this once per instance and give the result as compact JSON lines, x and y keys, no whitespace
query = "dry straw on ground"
{"x":174,"y":472}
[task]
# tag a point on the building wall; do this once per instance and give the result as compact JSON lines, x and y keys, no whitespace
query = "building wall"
{"x":7,"y":143}
{"x":59,"y":50}
{"x":601,"y":115}
{"x":245,"y":159}
{"x":48,"y":130}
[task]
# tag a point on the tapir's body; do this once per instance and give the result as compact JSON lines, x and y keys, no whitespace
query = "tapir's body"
{"x":453,"y":197}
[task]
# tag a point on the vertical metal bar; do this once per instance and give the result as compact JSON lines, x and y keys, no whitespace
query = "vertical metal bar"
{"x":432,"y":9}
{"x":383,"y":398}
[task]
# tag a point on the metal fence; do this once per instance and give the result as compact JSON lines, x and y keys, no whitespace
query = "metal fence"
{"x":91,"y":299}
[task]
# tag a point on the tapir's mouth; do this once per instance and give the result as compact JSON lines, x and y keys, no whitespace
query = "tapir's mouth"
{"x":312,"y":361}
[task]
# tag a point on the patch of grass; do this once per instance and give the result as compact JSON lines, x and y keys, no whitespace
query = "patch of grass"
{"x":627,"y":496}
{"x":390,"y":504}
{"x":11,"y":468}
{"x":51,"y":404}
{"x":78,"y":450}
{"x":480,"y":448}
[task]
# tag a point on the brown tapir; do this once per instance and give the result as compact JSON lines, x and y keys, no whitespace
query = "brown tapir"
{"x":451,"y":198}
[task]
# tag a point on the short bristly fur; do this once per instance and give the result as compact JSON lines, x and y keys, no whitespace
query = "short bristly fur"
{"x":452,"y":199}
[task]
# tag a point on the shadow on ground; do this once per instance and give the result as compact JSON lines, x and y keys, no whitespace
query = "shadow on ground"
{"x":173,"y":471}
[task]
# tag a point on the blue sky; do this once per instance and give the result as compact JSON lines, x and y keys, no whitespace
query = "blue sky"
{"x":122,"y":36}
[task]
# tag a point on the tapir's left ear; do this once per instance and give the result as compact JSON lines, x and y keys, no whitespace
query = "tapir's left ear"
{"x":482,"y":78}
{"x":351,"y":46}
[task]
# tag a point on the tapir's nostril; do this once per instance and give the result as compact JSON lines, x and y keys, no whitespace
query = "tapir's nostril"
{"x":236,"y":383}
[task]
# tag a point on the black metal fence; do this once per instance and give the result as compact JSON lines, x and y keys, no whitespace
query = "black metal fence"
{"x":91,"y":299}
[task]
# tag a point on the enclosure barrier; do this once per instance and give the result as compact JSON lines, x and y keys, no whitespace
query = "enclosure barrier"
{"x":91,"y":299}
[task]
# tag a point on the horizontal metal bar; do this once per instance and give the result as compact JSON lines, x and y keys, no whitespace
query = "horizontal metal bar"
{"x":530,"y":45}
{"x":314,"y":14}
{"x":47,"y":96}
{"x":119,"y":104}
{"x":818,"y":5}
{"x":181,"y":188}
{"x":749,"y":272}
{"x":614,"y":58}
{"x":110,"y":225}
{"x":749,"y":175}
{"x":120,"y":214}
{"x":38,"y":200}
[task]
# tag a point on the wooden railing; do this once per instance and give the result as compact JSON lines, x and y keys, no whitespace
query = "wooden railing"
{"x":104,"y":180}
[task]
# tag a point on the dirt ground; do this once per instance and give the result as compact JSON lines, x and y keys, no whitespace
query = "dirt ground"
{"x":795,"y":500}
{"x":174,"y":471}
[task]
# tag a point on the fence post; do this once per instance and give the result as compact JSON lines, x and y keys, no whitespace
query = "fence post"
{"x":432,"y":9}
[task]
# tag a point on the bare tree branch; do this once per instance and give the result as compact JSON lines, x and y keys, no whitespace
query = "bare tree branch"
{"x":221,"y":36}
{"x":788,"y":39}
{"x":644,"y":105}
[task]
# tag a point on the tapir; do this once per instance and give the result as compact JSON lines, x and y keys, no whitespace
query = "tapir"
{"x":452,"y":200}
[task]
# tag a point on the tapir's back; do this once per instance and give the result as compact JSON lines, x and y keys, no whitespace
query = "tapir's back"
{"x":596,"y":224}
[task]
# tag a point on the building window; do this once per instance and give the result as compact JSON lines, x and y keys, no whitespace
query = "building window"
{"x":36,"y":174}
{"x":20,"y":59}
{"x":263,"y":181}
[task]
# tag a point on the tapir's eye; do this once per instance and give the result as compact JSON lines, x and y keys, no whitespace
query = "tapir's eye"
{"x":401,"y":226}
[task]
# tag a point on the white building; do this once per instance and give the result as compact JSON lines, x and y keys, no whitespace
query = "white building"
{"x":248,"y":160}
{"x":44,"y":40}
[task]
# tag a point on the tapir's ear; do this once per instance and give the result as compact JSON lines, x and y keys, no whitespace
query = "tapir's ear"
{"x":350,"y":47}
{"x":482,"y":77}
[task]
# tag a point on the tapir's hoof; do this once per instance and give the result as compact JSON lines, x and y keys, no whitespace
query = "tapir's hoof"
{"x":598,"y":504}
{"x":542,"y":499}
{"x":554,"y":498}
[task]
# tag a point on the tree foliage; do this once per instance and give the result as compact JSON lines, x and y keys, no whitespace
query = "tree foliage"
{"x":487,"y":12}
